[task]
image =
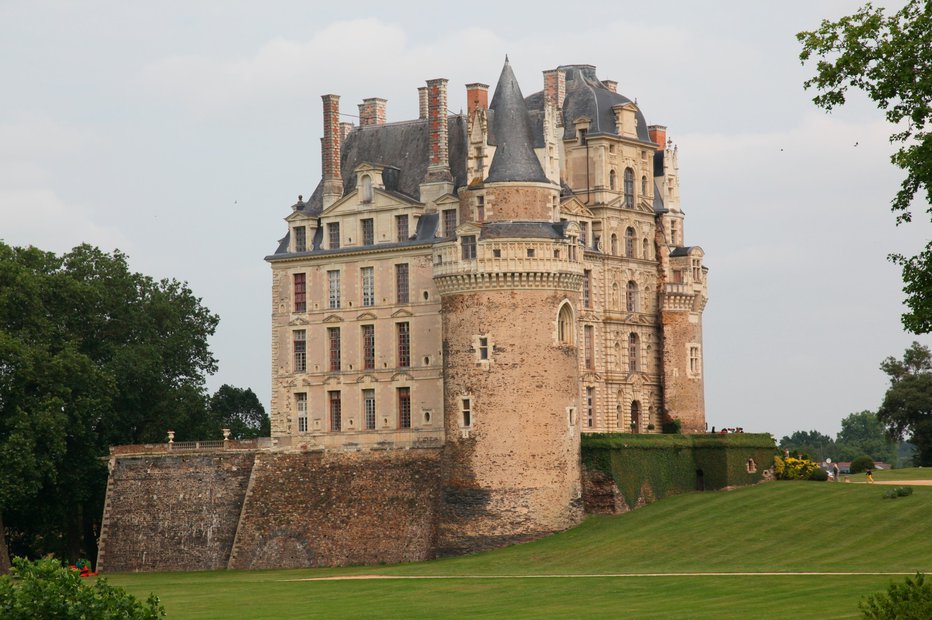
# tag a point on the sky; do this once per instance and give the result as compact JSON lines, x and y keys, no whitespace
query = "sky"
{"x":180,"y":132}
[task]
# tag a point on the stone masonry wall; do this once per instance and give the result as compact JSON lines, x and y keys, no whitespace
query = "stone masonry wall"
{"x":333,"y":509}
{"x":172,"y":512}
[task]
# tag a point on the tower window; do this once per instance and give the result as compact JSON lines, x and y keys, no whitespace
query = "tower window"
{"x":587,"y":288}
{"x":401,"y":284}
{"x":333,"y":339}
{"x":404,"y":345}
{"x":300,"y":292}
{"x":299,"y":342}
{"x":565,"y":325}
{"x":368,"y":347}
{"x":336,"y":411}
{"x":629,"y":188}
{"x":695,"y":362}
{"x":300,"y":400}
{"x":633,"y":352}
{"x":466,"y":405}
{"x":368,"y":404}
{"x":468,"y":243}
{"x":368,"y":286}
{"x":404,"y":407}
{"x":333,"y":282}
{"x":588,"y":339}
{"x":635,"y":416}
{"x":483,"y":347}
{"x":449,"y":223}
{"x":629,"y":242}
{"x":590,"y":407}
{"x":480,"y":208}
{"x":631,"y":296}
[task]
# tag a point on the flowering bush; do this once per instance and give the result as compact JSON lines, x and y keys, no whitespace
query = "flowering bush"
{"x":792,"y":468}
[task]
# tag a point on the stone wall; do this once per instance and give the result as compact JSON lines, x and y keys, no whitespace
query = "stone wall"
{"x":333,"y":509}
{"x":172,"y":512}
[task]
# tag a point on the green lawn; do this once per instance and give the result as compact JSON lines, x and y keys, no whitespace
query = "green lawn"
{"x":907,"y":473}
{"x":777,"y":527}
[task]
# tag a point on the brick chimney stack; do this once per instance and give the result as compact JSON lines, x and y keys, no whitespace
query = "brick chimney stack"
{"x":330,"y":151}
{"x":422,"y":102}
{"x":554,"y":87}
{"x":658,"y":134}
{"x":372,"y":111}
{"x":612,"y":85}
{"x":477,"y":97}
{"x":438,"y":168}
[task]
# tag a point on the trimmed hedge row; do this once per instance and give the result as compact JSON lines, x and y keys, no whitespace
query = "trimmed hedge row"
{"x":648,"y":467}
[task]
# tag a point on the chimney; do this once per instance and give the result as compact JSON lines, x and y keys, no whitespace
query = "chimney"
{"x":477,"y":97}
{"x":372,"y":111}
{"x":345,"y":128}
{"x":554,"y":87}
{"x":422,"y":102}
{"x":612,"y":85}
{"x":658,"y":134}
{"x":438,"y":168}
{"x":330,"y":151}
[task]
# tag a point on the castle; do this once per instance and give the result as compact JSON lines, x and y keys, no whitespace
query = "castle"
{"x":460,"y":300}
{"x":494,"y":283}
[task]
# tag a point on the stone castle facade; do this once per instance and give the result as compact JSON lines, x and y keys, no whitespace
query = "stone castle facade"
{"x":492,"y":284}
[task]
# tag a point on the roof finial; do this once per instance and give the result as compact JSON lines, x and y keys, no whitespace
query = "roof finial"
{"x":506,"y":58}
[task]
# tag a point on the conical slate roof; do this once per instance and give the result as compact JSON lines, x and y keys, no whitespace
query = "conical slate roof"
{"x":514,"y":158}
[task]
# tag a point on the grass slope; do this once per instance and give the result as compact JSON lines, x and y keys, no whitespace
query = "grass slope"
{"x":782,"y":526}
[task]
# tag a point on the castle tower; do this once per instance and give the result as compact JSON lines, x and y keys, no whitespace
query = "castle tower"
{"x":510,"y":286}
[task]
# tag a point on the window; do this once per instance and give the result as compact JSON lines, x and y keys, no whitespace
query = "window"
{"x":635,"y":416}
{"x":571,"y":253}
{"x":333,"y":235}
{"x":449,"y":223}
{"x":401,"y":283}
{"x":629,"y":242}
{"x":629,"y":188}
{"x":300,"y":292}
{"x":673,"y":235}
{"x":468,"y":243}
{"x":587,"y":288}
{"x":299,"y":339}
{"x":697,"y":270}
{"x":496,"y":253}
{"x":483,"y":347}
{"x":530,"y":252}
{"x":643,"y":186}
{"x":401,"y":228}
{"x":466,"y":404}
{"x":368,"y":231}
{"x":333,"y":338}
{"x":368,"y":286}
{"x":368,"y":408}
{"x":565,"y":325}
{"x":480,"y":208}
{"x":336,"y":411}
{"x":368,"y":347}
{"x":300,"y":239}
{"x":631,"y":296}
{"x":584,"y":234}
{"x":632,"y":352}
{"x":694,"y":362}
{"x":611,"y":180}
{"x":333,"y":282}
{"x":645,"y":250}
{"x":301,"y":402}
{"x":404,"y":345}
{"x":404,"y":407}
{"x":366,"y":188}
{"x":677,"y":276}
{"x":589,"y":345}
{"x":582,"y":136}
{"x":590,"y":407}
{"x":614,"y":244}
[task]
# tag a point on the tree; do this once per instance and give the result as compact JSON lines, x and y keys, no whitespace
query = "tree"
{"x":907,"y":406}
{"x":91,"y":355}
{"x":908,"y":601}
{"x":240,"y":411}
{"x":811,"y":443}
{"x":863,"y":433}
{"x":889,"y":58}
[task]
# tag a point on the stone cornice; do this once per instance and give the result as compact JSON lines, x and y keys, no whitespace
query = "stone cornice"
{"x":463,"y":282}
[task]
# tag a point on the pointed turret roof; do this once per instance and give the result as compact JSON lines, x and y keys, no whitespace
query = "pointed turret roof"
{"x":514,"y":158}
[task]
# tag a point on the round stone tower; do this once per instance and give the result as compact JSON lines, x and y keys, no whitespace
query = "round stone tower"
{"x":510,"y":287}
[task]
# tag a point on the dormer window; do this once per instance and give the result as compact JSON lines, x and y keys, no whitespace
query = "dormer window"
{"x":333,"y":235}
{"x":582,"y":135}
{"x":366,"y":189}
{"x":468,"y":243}
{"x":300,"y":239}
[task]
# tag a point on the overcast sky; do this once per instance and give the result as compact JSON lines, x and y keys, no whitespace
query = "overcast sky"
{"x":180,"y":133}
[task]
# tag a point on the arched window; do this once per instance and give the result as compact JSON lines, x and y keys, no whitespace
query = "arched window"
{"x":635,"y":416}
{"x":611,"y":179}
{"x":366,"y":188}
{"x":631,"y":296}
{"x":633,"y":352}
{"x":614,"y":244}
{"x":629,"y":242}
{"x":629,"y":188}
{"x":565,"y":325}
{"x":645,"y":250}
{"x":643,"y":186}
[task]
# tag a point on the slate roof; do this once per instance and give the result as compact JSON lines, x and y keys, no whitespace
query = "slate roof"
{"x":514,"y":158}
{"x":523,"y":230}
{"x":681,"y":251}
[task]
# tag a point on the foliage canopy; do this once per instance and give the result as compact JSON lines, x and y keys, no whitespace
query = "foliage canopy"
{"x":889,"y":58}
{"x":907,"y":405}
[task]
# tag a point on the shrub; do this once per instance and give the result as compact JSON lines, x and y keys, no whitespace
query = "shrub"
{"x":909,"y":601}
{"x":818,"y":474}
{"x":796,"y":469}
{"x":890,"y":494}
{"x":862,"y":463}
{"x":671,"y":427}
{"x":904,"y":491}
{"x":46,"y":589}
{"x":778,"y":467}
